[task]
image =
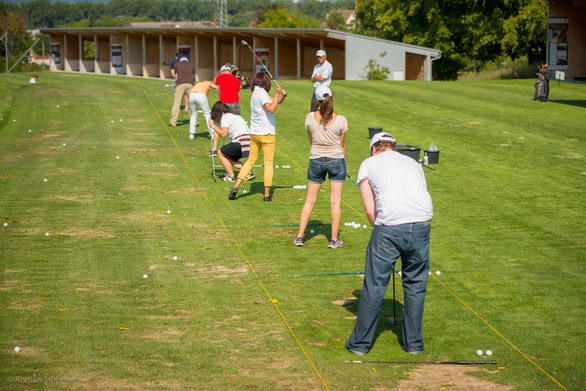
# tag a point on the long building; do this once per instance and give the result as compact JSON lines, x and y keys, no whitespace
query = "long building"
{"x":288,"y":53}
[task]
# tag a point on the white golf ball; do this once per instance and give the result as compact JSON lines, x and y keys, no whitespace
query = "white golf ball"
{"x":13,"y":120}
{"x":145,"y":276}
{"x":64,"y":144}
{"x":364,"y":226}
{"x":168,"y":211}
{"x":430,"y":272}
{"x":5,"y":225}
{"x":47,"y":234}
{"x":277,"y":166}
{"x":57,"y":106}
{"x":17,"y":349}
{"x":479,"y":352}
{"x":112,"y":121}
{"x":45,"y":180}
{"x":121,"y":120}
{"x":437,"y":272}
{"x":174,"y":257}
{"x":244,"y":191}
{"x":117,"y":157}
{"x":488,"y":353}
{"x":30,"y":130}
{"x":311,"y":231}
{"x":400,"y":273}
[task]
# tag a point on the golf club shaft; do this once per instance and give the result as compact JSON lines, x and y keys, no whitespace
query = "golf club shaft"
{"x":490,"y":362}
{"x":329,"y":274}
{"x":260,"y":61}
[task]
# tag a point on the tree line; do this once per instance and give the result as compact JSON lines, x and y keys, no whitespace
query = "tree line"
{"x":470,"y":33}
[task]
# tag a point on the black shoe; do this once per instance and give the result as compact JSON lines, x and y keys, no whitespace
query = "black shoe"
{"x":233,"y":193}
{"x":267,"y":199}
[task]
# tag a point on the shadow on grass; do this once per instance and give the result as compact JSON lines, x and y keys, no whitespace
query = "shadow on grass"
{"x":571,"y":102}
{"x":385,"y":323}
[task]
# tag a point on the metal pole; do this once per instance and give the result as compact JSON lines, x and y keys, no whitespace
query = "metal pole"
{"x":5,"y":38}
{"x":21,"y":57}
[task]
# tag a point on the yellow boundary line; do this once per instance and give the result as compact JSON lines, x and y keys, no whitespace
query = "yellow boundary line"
{"x":272,"y":300}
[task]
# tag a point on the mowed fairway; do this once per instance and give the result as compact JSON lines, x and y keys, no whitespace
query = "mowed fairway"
{"x":508,"y":237}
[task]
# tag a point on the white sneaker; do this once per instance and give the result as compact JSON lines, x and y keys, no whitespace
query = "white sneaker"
{"x":191,"y":136}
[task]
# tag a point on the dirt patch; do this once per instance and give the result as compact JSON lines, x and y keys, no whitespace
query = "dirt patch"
{"x":51,"y":135}
{"x":449,"y":378}
{"x":20,"y":306}
{"x":189,"y":190}
{"x":82,"y":199}
{"x":8,"y":271}
{"x":221,"y":271}
{"x":31,"y":351}
{"x":82,"y":289}
{"x":85,"y":233}
{"x":344,"y":301}
{"x":163,"y":335}
{"x":177,"y":315}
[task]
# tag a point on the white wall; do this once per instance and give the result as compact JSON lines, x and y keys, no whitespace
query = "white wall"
{"x":360,"y":49}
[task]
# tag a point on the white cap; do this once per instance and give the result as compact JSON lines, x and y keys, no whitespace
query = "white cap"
{"x":382,"y":136}
{"x":225,"y":67}
{"x":320,"y":53}
{"x":321,"y":91}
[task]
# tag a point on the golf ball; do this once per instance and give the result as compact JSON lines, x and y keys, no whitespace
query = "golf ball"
{"x":117,"y":157}
{"x":430,"y":272}
{"x":479,"y":352}
{"x":17,"y":349}
{"x":400,"y":273}
{"x":244,"y":191}
{"x":29,"y":130}
{"x":174,"y":257}
{"x":121,"y":120}
{"x":45,"y":180}
{"x":13,"y":120}
{"x":47,"y":234}
{"x":168,"y":211}
{"x":311,"y":231}
{"x":437,"y":272}
{"x":64,"y":144}
{"x":112,"y":121}
{"x":277,"y":166}
{"x":5,"y":224}
{"x":145,"y":276}
{"x":489,"y":353}
{"x":57,"y":106}
{"x":364,"y":226}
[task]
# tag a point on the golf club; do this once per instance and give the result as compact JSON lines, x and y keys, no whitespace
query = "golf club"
{"x":243,"y":42}
{"x":423,"y":362}
{"x":211,"y":153}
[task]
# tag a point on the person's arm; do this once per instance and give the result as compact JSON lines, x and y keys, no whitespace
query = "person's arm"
{"x":222,"y":132}
{"x":272,"y":105}
{"x":368,"y":200}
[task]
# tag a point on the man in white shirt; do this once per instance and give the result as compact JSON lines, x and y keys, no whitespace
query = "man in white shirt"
{"x":398,"y":205}
{"x":321,"y":76}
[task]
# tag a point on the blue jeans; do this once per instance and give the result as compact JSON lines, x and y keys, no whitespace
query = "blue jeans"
{"x":322,"y":166}
{"x":410,"y":242}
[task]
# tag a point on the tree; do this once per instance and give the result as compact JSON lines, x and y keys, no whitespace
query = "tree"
{"x":281,"y":18}
{"x":335,"y":21}
{"x":468,"y":33}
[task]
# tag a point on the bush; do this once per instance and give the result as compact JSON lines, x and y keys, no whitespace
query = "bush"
{"x":375,"y":71}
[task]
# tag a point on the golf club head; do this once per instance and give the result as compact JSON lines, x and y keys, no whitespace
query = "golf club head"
{"x":243,"y":42}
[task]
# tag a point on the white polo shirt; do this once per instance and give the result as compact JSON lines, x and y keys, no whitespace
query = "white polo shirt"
{"x":399,"y":187}
{"x":326,"y":69}
{"x":236,"y":125}
{"x":262,"y":121}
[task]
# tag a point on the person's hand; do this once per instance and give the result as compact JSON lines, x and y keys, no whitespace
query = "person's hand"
{"x":211,"y":122}
{"x":281,"y":91}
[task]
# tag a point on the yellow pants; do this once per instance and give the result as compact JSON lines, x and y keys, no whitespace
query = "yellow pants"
{"x":267,"y":144}
{"x":180,"y":91}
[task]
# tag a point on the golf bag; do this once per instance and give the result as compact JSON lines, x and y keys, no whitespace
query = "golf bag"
{"x":541,"y":89}
{"x":244,"y":80}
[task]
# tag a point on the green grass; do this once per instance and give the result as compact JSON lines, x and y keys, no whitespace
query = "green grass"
{"x":508,"y":237}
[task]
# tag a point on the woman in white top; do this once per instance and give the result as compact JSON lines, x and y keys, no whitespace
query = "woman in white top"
{"x":262,"y":131}
{"x":326,"y":131}
{"x":225,"y":123}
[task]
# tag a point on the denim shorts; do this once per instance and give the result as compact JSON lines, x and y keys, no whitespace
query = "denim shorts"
{"x":322,"y":166}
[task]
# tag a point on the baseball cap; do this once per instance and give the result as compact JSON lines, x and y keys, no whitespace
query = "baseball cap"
{"x":225,"y":67}
{"x":382,"y":136}
{"x":320,"y":53}
{"x":321,"y":91}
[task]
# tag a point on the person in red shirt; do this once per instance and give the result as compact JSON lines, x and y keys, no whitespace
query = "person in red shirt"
{"x":229,"y":87}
